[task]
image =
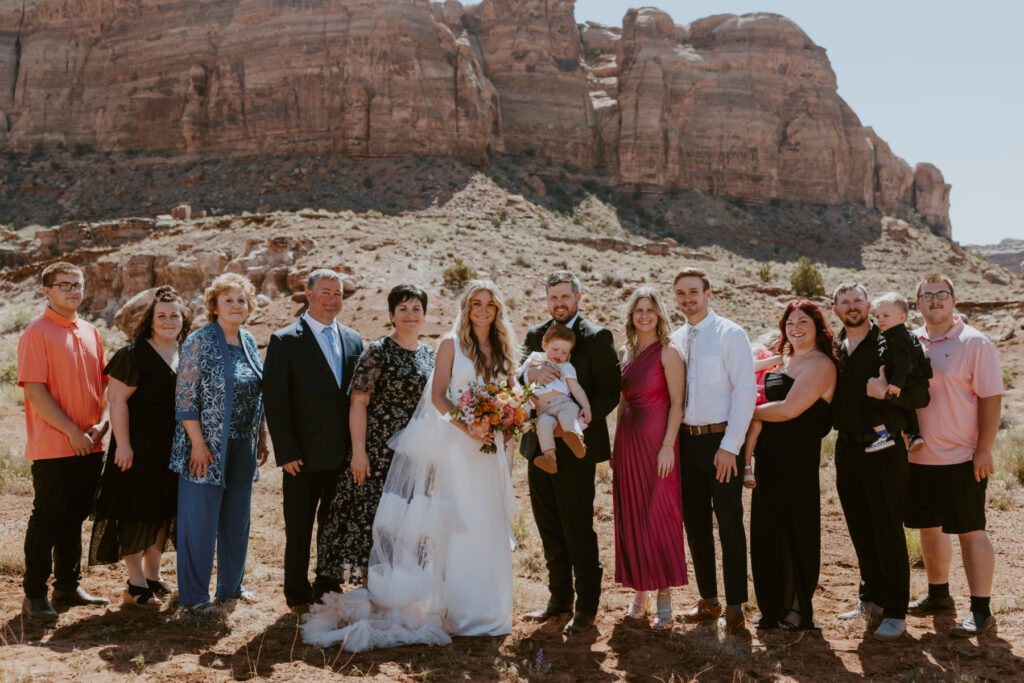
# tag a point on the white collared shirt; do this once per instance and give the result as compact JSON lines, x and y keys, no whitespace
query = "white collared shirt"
{"x":719,"y":377}
{"x":321,"y":338}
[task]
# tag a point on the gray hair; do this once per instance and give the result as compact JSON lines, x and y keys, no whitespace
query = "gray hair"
{"x":560,"y":276}
{"x":322,"y":274}
{"x":846,"y":287}
{"x":895,"y":299}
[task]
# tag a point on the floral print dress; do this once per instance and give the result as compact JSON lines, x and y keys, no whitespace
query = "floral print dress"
{"x":394,"y":377}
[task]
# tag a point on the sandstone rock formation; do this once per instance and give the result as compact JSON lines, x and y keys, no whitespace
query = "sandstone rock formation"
{"x":742,"y":106}
{"x":1009,"y":253}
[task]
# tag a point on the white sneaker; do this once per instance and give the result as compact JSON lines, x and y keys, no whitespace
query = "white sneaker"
{"x":891,"y":629}
{"x":864,"y":609}
{"x":880,"y":444}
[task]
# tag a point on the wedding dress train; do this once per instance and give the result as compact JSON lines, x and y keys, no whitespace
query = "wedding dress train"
{"x":441,"y":563}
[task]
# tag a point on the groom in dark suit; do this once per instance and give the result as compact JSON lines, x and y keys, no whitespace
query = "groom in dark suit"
{"x":305,"y":395}
{"x":563,"y":502}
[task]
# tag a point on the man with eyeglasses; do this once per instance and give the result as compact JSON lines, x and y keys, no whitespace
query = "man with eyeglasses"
{"x":872,"y":486}
{"x":948,"y":476}
{"x":60,"y":367}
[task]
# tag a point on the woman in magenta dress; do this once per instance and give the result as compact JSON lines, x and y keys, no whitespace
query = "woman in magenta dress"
{"x":649,"y":552}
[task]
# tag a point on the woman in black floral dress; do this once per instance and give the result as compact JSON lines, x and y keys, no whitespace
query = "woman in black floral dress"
{"x":386,"y":387}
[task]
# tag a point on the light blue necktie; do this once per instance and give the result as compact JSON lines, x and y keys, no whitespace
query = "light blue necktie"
{"x":335,"y":354}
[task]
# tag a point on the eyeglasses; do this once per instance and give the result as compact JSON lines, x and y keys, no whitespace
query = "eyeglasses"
{"x":937,"y":296}
{"x":69,"y":286}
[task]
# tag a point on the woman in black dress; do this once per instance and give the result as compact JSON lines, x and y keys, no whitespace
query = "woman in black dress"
{"x":136,"y":503}
{"x":386,"y":387}
{"x":785,"y":515}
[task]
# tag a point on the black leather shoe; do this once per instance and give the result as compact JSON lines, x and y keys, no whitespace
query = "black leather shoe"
{"x":972,"y":627}
{"x":77,"y":596}
{"x":39,"y":609}
{"x":926,"y":604}
{"x":549,"y":612}
{"x":580,"y":622}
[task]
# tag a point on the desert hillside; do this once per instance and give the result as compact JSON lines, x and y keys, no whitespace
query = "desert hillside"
{"x":482,"y":226}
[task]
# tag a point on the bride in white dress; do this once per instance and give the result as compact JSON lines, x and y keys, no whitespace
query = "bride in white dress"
{"x":441,"y":563}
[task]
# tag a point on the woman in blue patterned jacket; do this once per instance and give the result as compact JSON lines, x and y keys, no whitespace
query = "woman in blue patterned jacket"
{"x":219,"y":443}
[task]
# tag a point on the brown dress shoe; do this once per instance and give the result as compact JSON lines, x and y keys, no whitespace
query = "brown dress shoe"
{"x":704,"y":611}
{"x":733,"y":621}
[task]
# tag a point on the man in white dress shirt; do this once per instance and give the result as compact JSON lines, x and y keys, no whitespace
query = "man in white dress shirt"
{"x":720,"y":396}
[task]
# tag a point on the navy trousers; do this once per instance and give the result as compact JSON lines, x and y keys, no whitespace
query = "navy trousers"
{"x":215,"y":517}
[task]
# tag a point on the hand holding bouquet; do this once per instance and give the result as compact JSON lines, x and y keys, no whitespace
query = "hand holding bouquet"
{"x":493,"y":409}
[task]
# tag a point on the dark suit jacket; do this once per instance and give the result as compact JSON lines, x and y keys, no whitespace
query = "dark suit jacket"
{"x":307,"y":413}
{"x":597,"y":369}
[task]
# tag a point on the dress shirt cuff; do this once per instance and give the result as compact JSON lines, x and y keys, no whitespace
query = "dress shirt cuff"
{"x":187,"y":415}
{"x":732,"y":445}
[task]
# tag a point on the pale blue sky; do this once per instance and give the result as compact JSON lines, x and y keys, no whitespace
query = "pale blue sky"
{"x":940,"y":81}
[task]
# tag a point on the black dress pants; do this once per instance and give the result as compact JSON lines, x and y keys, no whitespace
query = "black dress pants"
{"x":563,"y":507}
{"x":64,"y":489}
{"x":307,"y":497}
{"x":872,"y":490}
{"x":702,"y":494}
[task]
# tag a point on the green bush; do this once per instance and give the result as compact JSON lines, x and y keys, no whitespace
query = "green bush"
{"x":765,"y":272}
{"x":458,"y":275}
{"x":806,"y":279}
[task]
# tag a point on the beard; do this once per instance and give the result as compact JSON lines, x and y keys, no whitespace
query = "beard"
{"x":854,"y":318}
{"x":562,"y":317}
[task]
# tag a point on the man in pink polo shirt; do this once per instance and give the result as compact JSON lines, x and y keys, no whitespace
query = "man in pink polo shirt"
{"x":60,"y":367}
{"x":948,"y":476}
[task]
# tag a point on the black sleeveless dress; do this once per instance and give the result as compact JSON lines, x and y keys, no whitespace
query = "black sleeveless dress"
{"x":785,"y":514}
{"x":133,"y":507}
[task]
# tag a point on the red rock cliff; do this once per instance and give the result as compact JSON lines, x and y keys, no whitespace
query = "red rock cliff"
{"x":742,"y":106}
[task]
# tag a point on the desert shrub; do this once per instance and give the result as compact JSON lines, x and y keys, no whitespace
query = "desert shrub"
{"x":1008,"y":376}
{"x":17,"y":321}
{"x":765,"y":272}
{"x":578,"y":219}
{"x":15,"y":473}
{"x":9,"y":374}
{"x":609,"y":280}
{"x":806,"y":279}
{"x":521,"y":260}
{"x":1008,"y":452}
{"x":459,"y":274}
{"x":368,"y":182}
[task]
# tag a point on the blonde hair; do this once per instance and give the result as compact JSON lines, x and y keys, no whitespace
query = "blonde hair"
{"x":225,"y":283}
{"x":894,"y":298}
{"x":503,"y":343}
{"x":662,"y":329}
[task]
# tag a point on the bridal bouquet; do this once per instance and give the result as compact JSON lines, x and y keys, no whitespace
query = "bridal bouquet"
{"x":494,"y":409}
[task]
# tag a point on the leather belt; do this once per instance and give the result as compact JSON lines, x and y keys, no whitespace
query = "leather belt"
{"x":700,"y":430}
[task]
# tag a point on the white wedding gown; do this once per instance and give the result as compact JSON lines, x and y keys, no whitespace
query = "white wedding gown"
{"x":441,"y":563}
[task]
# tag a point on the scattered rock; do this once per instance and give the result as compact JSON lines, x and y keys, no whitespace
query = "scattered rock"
{"x":536,"y":185}
{"x":896,"y":229}
{"x":182,"y":212}
{"x":995,"y":277}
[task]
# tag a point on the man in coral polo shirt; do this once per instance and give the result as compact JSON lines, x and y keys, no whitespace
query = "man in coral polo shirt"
{"x":946,"y":489}
{"x":60,"y":367}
